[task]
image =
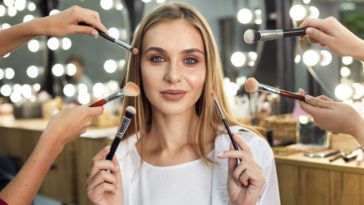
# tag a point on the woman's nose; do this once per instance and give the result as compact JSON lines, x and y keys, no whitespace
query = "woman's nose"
{"x":173,"y":73}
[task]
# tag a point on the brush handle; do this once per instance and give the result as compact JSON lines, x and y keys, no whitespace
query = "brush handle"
{"x":294,"y":32}
{"x":98,"y":103}
{"x":114,"y":146}
{"x":235,"y":145}
{"x":292,"y":95}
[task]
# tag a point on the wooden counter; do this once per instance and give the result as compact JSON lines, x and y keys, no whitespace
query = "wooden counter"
{"x":66,"y":180}
{"x":308,"y":181}
{"x":302,"y":180}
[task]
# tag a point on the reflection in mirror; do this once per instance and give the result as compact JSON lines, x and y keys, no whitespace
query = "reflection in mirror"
{"x":86,"y":67}
{"x":340,"y":77}
{"x":21,"y":71}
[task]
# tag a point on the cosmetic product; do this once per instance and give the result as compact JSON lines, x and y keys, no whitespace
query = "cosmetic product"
{"x":222,"y":116}
{"x":114,"y":40}
{"x":252,"y":85}
{"x":129,"y":114}
{"x":251,"y":36}
{"x":130,"y":89}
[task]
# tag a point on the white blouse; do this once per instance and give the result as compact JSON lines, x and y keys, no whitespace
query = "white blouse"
{"x":192,"y":182}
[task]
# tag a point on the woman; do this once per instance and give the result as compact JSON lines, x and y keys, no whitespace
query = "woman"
{"x":177,"y":151}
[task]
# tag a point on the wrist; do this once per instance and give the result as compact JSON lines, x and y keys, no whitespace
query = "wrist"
{"x":359,"y":131}
{"x":359,"y":52}
{"x":51,"y":142}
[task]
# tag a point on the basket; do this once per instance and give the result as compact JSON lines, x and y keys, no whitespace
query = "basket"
{"x":284,"y":127}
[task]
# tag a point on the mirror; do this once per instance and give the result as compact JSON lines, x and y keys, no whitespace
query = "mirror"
{"x":101,"y":61}
{"x":21,"y":71}
{"x":340,"y":77}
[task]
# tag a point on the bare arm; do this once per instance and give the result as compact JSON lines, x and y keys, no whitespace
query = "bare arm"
{"x":60,"y":130}
{"x":62,"y":24}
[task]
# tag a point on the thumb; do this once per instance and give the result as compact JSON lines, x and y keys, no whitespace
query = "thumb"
{"x":231,"y":162}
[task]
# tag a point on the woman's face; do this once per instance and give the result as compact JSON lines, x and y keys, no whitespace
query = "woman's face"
{"x":173,"y":66}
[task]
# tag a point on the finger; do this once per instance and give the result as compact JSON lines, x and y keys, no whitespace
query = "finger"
{"x":245,"y":177}
{"x":118,"y":173}
{"x":91,"y":18}
{"x":99,"y":165}
{"x":324,"y":97}
{"x":301,"y":91}
{"x":244,"y":147}
{"x":232,"y":163}
{"x":315,"y":23}
{"x":102,"y":177}
{"x":101,"y":189}
{"x":95,"y":111}
{"x":319,"y":36}
{"x":318,"y":102}
{"x":85,"y":30}
{"x":102,"y":153}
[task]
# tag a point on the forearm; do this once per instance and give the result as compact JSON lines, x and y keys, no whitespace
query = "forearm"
{"x":359,"y":134}
{"x":18,"y":35}
{"x":23,"y":188}
{"x":359,"y":51}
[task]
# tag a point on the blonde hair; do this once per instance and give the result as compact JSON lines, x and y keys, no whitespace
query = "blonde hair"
{"x":208,"y":115}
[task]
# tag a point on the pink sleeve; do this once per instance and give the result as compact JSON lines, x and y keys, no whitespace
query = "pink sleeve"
{"x":2,"y":202}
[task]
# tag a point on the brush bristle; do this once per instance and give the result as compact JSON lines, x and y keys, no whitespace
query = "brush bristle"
{"x":134,"y":51}
{"x":251,"y":85}
{"x":131,"y":89}
{"x":130,"y":111}
{"x":250,"y":36}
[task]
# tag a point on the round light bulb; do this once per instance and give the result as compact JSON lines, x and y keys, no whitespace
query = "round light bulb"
{"x":58,"y":70}
{"x":106,"y":4}
{"x":9,"y":73}
{"x":343,"y":91}
{"x":69,"y":90}
{"x":53,"y":43}
{"x":244,"y":16}
{"x":298,"y":12}
{"x":32,"y":71}
{"x":110,"y":66}
{"x":33,"y":45}
{"x":238,"y":59}
{"x":311,"y":58}
{"x":66,"y":43}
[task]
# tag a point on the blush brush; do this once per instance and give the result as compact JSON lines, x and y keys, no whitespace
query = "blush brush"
{"x":130,"y":89}
{"x":252,"y":85}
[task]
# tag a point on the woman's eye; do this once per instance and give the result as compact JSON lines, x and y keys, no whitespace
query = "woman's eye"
{"x":190,"y":61}
{"x":157,"y":59}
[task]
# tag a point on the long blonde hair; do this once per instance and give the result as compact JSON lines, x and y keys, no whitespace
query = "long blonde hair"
{"x":209,"y":120}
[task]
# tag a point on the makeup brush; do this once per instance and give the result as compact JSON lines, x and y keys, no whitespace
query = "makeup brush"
{"x":130,"y":89}
{"x":251,"y":36}
{"x":129,"y":114}
{"x":252,"y":85}
{"x":116,"y":41}
{"x":222,"y":116}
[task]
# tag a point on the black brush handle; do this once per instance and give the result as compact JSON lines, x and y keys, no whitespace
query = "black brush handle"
{"x":114,"y":146}
{"x":294,"y":32}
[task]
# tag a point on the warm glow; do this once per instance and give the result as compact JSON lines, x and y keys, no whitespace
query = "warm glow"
{"x":343,"y":91}
{"x":298,"y":12}
{"x":244,"y":16}
{"x":238,"y":59}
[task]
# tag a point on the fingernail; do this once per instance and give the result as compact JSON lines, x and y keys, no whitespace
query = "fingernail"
{"x":308,"y":98}
{"x":95,"y":33}
{"x":220,"y":155}
{"x":107,"y":148}
{"x":309,"y":30}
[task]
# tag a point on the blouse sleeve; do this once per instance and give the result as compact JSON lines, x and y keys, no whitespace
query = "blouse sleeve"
{"x":264,"y":157}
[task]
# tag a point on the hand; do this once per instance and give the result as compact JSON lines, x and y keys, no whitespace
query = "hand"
{"x":331,"y":33}
{"x":68,"y":124}
{"x":245,"y":180}
{"x":66,"y":22}
{"x":104,"y":182}
{"x":333,"y":116}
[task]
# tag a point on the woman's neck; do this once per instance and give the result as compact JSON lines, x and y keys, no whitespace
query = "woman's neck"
{"x":173,"y":131}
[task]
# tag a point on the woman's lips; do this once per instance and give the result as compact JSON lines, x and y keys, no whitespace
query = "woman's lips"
{"x":173,"y":95}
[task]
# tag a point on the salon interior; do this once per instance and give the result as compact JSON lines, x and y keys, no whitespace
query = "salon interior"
{"x":314,"y":166}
